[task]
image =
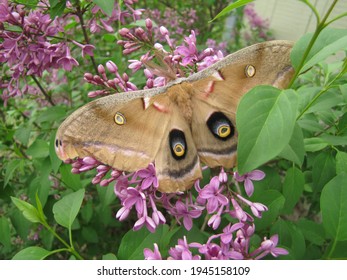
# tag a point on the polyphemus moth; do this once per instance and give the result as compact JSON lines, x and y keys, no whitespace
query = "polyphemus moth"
{"x":178,"y":126}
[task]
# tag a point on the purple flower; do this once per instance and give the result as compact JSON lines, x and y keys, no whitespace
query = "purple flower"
{"x":68,"y":61}
{"x":136,"y":198}
{"x":213,"y":194}
{"x":147,"y":221}
{"x":182,"y":251}
{"x":182,"y":210}
{"x":86,"y":49}
{"x":255,"y":175}
{"x":256,"y":207}
{"x":152,"y":255}
{"x":227,"y":236}
{"x":149,"y":177}
{"x":269,"y":246}
{"x":189,"y":52}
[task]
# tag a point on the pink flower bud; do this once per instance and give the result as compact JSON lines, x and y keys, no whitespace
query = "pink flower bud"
{"x":111,"y":66}
{"x":101,"y":69}
{"x":149,"y":23}
{"x":124,"y":32}
{"x":163,"y":31}
{"x":88,"y":77}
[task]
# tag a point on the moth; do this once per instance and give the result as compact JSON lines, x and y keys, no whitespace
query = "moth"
{"x":178,"y":127}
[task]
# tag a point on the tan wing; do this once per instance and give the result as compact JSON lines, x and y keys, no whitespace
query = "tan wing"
{"x":218,"y":89}
{"x":93,"y":131}
{"x":128,"y":137}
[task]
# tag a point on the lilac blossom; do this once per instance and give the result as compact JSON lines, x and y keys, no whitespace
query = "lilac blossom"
{"x":186,"y":212}
{"x":152,"y":255}
{"x":255,"y":175}
{"x":213,"y":194}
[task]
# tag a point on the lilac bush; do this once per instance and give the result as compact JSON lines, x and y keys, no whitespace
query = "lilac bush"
{"x":33,"y":45}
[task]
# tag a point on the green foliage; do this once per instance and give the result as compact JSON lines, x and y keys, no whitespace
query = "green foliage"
{"x":265,"y":126}
{"x":297,"y":136}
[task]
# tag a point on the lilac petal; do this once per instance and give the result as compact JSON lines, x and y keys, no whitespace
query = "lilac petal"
{"x":146,"y":183}
{"x":222,"y":199}
{"x":226,"y":238}
{"x":274,"y":239}
{"x":187,"y":222}
{"x":151,"y":226}
{"x":212,"y":205}
{"x":195,"y":213}
{"x":256,"y":175}
{"x":249,"y":188}
{"x":122,"y":213}
{"x":239,"y":178}
{"x":181,"y":207}
{"x":279,"y":251}
{"x":235,"y":255}
{"x":139,"y":223}
{"x":187,"y":255}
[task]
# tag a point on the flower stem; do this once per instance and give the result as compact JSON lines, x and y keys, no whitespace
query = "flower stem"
{"x":79,"y":14}
{"x":48,"y":97}
{"x":320,"y":26}
{"x":68,"y":247}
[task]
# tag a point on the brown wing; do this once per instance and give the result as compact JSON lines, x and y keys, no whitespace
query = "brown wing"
{"x":218,"y":89}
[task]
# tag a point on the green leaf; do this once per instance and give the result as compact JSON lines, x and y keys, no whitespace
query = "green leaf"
{"x":274,"y":200}
{"x":314,"y":144}
{"x":265,"y":120}
{"x":295,"y":149}
{"x":10,"y":169}
{"x":333,"y":203}
{"x":90,"y":235}
{"x":341,"y":162}
{"x":56,"y":9}
{"x":106,"y":5}
{"x":293,"y":187}
{"x":28,"y":210}
{"x":133,"y":243}
{"x":323,"y":170}
{"x":5,"y":234}
{"x":52,"y":114}
{"x":32,"y":253}
{"x":22,"y":134}
{"x":328,"y":42}
{"x":312,"y":231}
{"x":66,"y":209}
{"x":72,"y":181}
{"x":109,"y":256}
{"x":231,"y":7}
{"x":39,"y":149}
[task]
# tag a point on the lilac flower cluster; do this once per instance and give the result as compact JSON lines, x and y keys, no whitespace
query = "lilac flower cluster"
{"x":27,"y":47}
{"x":178,"y":61}
{"x":100,"y":21}
{"x":235,"y":247}
{"x":259,"y":27}
{"x":137,"y":191}
{"x":179,"y":22}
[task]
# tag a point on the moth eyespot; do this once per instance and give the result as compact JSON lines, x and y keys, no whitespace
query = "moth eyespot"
{"x":119,"y":118}
{"x":179,"y":150}
{"x":220,"y":126}
{"x":249,"y":71}
{"x":224,"y":131}
{"x":178,"y":144}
